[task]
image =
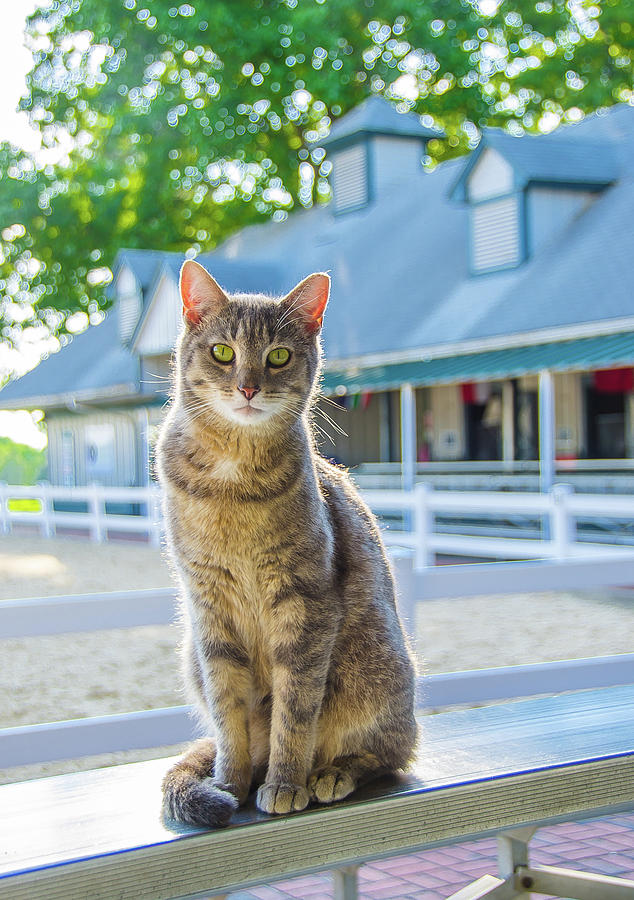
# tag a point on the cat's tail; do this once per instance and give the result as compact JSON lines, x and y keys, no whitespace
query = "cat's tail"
{"x":189,"y":794}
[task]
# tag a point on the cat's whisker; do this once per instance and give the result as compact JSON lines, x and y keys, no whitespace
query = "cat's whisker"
{"x":331,"y":421}
{"x":198,"y":410}
{"x":324,"y":433}
{"x":293,"y":305}
{"x":326,"y":399}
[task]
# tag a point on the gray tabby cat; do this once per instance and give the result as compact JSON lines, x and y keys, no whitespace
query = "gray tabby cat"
{"x":294,"y":649}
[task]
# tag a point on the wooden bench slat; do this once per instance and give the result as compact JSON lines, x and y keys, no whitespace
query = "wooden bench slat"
{"x":479,"y":770}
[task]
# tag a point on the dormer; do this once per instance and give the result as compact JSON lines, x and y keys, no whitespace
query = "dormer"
{"x":522,"y":192}
{"x":373,"y":149}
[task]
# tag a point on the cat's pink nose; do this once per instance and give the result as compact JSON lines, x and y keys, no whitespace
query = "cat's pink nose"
{"x":249,"y":392}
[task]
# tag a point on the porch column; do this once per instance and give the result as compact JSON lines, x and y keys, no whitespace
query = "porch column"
{"x":508,"y":422}
{"x":384,"y":426}
{"x":546,"y":431}
{"x":408,"y":436}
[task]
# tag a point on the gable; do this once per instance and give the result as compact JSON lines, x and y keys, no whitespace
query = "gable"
{"x":162,"y":322}
{"x":491,"y":176}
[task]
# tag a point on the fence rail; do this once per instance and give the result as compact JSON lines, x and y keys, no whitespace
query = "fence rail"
{"x":88,"y":510}
{"x":144,"y":729}
{"x":558,"y":511}
{"x":30,"y":744}
{"x":471,"y":519}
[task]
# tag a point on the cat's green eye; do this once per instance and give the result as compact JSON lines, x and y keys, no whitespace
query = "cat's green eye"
{"x":222,"y":353}
{"x":278,"y":357}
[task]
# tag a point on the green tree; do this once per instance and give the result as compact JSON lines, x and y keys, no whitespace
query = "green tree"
{"x":21,"y":464}
{"x":185,"y":122}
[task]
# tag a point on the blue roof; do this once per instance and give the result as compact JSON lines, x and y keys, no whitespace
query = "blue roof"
{"x":400,"y":272}
{"x":542,"y":159}
{"x":376,"y":116}
{"x":93,"y":366}
{"x":143,"y":264}
{"x":236,"y":276}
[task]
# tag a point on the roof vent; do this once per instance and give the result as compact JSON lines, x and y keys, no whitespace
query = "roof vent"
{"x":495,"y":234}
{"x":350,"y":178}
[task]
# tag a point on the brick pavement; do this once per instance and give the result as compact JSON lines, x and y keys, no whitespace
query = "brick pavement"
{"x":596,"y":845}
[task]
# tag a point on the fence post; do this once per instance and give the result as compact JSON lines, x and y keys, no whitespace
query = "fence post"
{"x":563,"y":526}
{"x":402,"y":569}
{"x":95,"y":505}
{"x":156,"y":518}
{"x":5,"y":521}
{"x":48,"y":527}
{"x":423,"y":526}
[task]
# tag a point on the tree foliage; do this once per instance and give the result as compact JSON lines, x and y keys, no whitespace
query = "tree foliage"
{"x":171,"y":126}
{"x":21,"y":464}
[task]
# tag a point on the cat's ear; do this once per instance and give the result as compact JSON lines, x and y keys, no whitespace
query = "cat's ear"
{"x":307,"y":302}
{"x":201,"y":294}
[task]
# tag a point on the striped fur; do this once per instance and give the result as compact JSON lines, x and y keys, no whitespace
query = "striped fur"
{"x":293,"y":648}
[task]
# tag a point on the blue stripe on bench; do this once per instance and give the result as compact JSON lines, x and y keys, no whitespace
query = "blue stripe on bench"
{"x":99,"y":834}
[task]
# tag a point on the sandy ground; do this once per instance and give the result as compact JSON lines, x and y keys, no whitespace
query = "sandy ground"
{"x":48,"y":679}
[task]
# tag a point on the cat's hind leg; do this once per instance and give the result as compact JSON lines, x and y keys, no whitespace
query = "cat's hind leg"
{"x":190,"y":794}
{"x":329,"y":783}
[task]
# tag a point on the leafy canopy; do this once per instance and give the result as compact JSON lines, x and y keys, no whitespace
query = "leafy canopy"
{"x":168,"y":127}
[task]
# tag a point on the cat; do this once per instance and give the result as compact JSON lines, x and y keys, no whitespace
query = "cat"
{"x":293,"y":645}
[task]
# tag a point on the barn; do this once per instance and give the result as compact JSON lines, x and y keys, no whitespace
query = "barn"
{"x":465,"y":298}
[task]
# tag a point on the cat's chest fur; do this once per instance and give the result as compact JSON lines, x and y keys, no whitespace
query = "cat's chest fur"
{"x":233,"y":550}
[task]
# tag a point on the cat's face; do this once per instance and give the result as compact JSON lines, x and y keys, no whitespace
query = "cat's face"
{"x":249,"y":360}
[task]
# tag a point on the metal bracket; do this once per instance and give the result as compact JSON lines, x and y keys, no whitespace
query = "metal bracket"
{"x":519,"y":879}
{"x":574,"y":885}
{"x":488,"y":888}
{"x":513,"y":850}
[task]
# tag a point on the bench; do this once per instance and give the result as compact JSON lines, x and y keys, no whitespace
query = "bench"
{"x":505,"y":769}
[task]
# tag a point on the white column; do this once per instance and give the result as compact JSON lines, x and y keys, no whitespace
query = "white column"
{"x":384,"y":426}
{"x":408,"y":436}
{"x":508,"y":422}
{"x":546,"y":431}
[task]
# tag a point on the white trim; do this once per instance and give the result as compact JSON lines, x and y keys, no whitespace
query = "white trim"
{"x":481,"y":345}
{"x":70,"y":401}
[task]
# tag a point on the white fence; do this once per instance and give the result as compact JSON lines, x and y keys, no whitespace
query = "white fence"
{"x":97,"y":511}
{"x":29,"y":744}
{"x":103,"y":512}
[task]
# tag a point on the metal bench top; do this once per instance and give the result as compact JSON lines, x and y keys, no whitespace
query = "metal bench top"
{"x":99,"y":834}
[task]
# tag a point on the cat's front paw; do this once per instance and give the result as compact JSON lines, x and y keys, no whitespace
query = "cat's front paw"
{"x":328,"y":784}
{"x":281,"y":798}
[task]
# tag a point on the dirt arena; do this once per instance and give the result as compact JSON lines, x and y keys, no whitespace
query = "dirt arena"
{"x":48,"y":679}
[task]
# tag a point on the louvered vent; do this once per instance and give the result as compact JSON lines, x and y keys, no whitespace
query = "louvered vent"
{"x":350,"y":178}
{"x":495,"y":234}
{"x":129,"y":310}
